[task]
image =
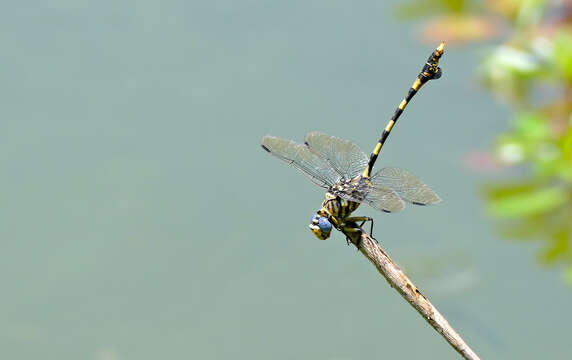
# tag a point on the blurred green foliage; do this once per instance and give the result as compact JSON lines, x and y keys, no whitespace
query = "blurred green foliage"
{"x":531,"y":70}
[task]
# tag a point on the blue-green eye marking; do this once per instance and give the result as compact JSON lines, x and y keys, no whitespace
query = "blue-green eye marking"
{"x":325,"y":224}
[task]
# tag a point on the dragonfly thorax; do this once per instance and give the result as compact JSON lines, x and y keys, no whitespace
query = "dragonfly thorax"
{"x":350,"y":187}
{"x":333,"y":213}
{"x":338,"y":207}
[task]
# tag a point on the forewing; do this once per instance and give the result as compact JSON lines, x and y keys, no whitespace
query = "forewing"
{"x":300,"y":156}
{"x":408,"y":186}
{"x":345,"y":157}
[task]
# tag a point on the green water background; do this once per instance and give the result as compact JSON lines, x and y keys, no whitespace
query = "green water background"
{"x":141,"y":219}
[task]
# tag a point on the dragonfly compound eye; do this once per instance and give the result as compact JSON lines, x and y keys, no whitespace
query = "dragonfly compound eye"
{"x":321,"y":227}
{"x":325,"y":224}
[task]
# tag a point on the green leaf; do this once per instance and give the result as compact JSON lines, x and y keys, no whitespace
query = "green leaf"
{"x":558,"y":247}
{"x":523,"y":229}
{"x":415,"y":10}
{"x":530,"y":12}
{"x":563,"y":53}
{"x":422,"y":8}
{"x":568,"y":275}
{"x":500,"y":191}
{"x":531,"y":125}
{"x":526,"y":204}
{"x":551,"y":168}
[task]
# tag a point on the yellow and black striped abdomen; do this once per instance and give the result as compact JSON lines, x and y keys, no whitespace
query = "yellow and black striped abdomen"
{"x":429,"y":71}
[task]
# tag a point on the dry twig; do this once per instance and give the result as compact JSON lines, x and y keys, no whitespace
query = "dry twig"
{"x":371,"y":249}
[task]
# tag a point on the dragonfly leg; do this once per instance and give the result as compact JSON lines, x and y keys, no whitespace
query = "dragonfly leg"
{"x":363,"y":220}
{"x":351,"y":227}
{"x":337,"y":223}
{"x":344,"y":227}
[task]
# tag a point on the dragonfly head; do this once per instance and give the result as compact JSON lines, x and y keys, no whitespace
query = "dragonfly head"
{"x":320,"y":226}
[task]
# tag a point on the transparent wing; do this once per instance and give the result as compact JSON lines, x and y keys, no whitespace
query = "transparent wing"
{"x":384,"y":199}
{"x":299,"y":155}
{"x":345,"y":157}
{"x":408,"y":186}
{"x":379,"y":198}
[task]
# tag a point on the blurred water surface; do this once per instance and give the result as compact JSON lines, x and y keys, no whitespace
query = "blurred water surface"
{"x":141,"y":219}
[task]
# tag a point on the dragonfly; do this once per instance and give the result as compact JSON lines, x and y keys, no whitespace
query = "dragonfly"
{"x":345,"y":171}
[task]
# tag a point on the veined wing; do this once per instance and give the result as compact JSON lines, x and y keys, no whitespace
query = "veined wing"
{"x":384,"y":199}
{"x":408,"y":186}
{"x":299,"y":155}
{"x":345,"y":157}
{"x":363,"y":191}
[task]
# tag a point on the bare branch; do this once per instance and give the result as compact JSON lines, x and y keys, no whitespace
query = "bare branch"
{"x":397,"y":279}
